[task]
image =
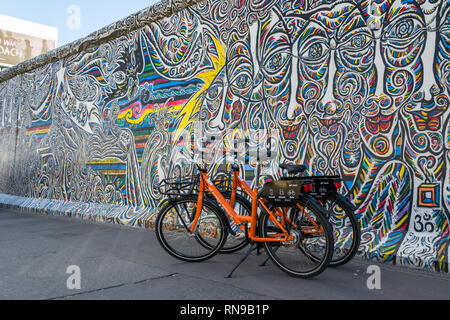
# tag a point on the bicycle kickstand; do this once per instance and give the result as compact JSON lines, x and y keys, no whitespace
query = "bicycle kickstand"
{"x":267,"y":260}
{"x":249,"y":252}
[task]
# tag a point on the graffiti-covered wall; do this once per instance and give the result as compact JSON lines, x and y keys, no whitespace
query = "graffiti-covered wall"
{"x":355,"y":88}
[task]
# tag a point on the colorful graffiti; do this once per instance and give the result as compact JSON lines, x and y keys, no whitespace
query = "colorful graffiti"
{"x":356,"y":88}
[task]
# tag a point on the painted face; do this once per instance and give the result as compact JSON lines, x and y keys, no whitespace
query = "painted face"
{"x":335,"y":76}
{"x":321,"y":75}
{"x":405,"y":60}
{"x":350,"y":68}
{"x":228,"y":96}
{"x":398,"y":77}
{"x":273,"y":69}
{"x":254,"y":88}
{"x":276,"y":61}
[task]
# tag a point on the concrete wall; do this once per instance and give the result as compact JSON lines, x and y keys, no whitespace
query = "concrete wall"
{"x":354,"y":88}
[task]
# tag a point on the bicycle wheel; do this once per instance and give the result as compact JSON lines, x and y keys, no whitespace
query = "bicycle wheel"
{"x":173,"y":226}
{"x":311,"y":232}
{"x":240,"y":240}
{"x":346,"y":230}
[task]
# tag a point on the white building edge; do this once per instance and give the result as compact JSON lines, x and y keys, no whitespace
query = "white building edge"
{"x":29,"y":28}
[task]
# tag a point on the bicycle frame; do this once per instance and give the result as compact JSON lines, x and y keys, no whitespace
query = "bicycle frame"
{"x":207,"y":186}
{"x":239,"y":183}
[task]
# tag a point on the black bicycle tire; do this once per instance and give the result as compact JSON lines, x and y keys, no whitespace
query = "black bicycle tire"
{"x":189,"y":198}
{"x":322,"y":266}
{"x":355,"y":228}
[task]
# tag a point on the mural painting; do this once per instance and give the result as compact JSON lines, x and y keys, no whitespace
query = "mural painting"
{"x":356,"y":88}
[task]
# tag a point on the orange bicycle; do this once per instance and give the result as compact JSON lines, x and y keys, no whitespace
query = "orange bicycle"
{"x":340,"y":212}
{"x":193,"y":228}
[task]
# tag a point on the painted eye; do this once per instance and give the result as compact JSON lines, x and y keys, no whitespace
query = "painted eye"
{"x":359,"y":41}
{"x":276,"y":62}
{"x":242,"y":81}
{"x":405,"y":28}
{"x":316,"y":51}
{"x":403,"y":41}
{"x":214,"y":91}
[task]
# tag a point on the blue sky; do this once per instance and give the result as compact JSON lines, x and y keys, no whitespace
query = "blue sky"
{"x":94,"y":14}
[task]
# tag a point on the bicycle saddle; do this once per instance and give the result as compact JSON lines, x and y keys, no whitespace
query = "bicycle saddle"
{"x":293,"y":169}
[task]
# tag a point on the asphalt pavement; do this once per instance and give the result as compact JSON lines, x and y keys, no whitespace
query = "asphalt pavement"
{"x":46,"y":257}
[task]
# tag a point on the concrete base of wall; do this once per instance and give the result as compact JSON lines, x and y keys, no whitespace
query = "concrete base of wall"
{"x":124,"y":215}
{"x":145,"y":218}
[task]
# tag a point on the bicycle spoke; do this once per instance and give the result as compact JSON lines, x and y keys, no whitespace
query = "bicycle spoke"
{"x":309,"y":249}
{"x":181,"y":218}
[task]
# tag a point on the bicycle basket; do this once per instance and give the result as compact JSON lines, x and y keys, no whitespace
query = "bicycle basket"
{"x":283,"y":193}
{"x":177,"y":186}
